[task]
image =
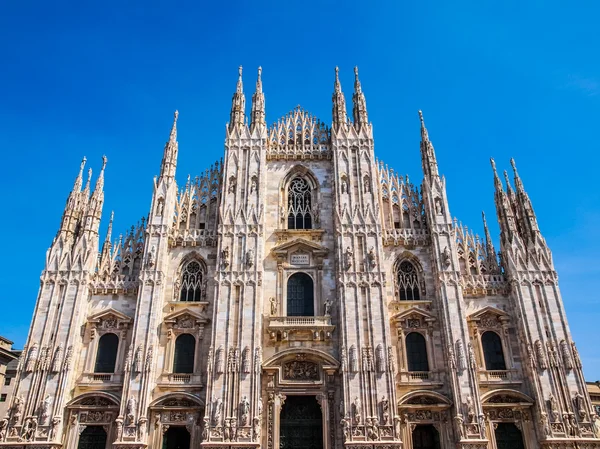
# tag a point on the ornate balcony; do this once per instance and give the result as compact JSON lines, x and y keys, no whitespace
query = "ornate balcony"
{"x":419,"y":377}
{"x":95,"y":379}
{"x":180,"y":380}
{"x":300,"y":328}
{"x":499,"y":377}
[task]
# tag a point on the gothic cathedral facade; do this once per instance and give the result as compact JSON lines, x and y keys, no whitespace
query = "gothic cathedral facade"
{"x":299,"y":294}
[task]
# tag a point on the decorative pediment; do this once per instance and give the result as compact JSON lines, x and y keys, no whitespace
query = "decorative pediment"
{"x":414,"y":318}
{"x":109,"y":319}
{"x":489,"y":317}
{"x":185,"y":319}
{"x":424,"y":398}
{"x":506,"y":397}
{"x":300,"y":252}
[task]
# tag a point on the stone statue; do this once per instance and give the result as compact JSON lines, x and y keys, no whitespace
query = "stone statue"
{"x":32,"y":358}
{"x":357,"y":411}
{"x":353,"y":368}
{"x":250,"y":258}
{"x":205,"y":426}
{"x":3,"y":429}
{"x":273,"y":302}
{"x":371,"y":257}
{"x":256,"y":429}
{"x":470,"y":409}
{"x":246,"y":360}
{"x":460,"y":355}
{"x":348,"y":258}
{"x":18,"y":408}
{"x":345,"y":428}
{"x":54,"y":428}
{"x":29,"y":429}
{"x":380,"y":359}
{"x":225,"y":257}
{"x":130,"y":410}
{"x":385,"y":410}
{"x":327,"y":307}
{"x":217,"y":410}
{"x":580,"y":406}
{"x":539,"y":353}
{"x":553,"y":407}
{"x":245,"y":409}
{"x":137,"y":361}
{"x":45,"y":409}
{"x":446,"y":257}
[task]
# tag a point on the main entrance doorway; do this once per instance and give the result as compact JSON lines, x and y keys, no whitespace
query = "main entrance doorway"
{"x":301,"y":423}
{"x":93,"y":437}
{"x":176,"y":438}
{"x":425,"y":437}
{"x":508,"y":436}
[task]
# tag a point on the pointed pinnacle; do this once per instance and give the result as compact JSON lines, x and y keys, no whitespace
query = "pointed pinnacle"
{"x":79,"y":178}
{"x":483,"y":217}
{"x":89,"y":180}
{"x":173,"y":134}
{"x":424,"y":133}
{"x":497,"y":181}
{"x":336,"y":85}
{"x":110,"y":225}
{"x":259,"y":80}
{"x":239,"y":82}
{"x":357,"y":86}
{"x":507,"y":180}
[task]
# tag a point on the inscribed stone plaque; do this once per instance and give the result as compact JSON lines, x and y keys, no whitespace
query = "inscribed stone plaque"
{"x":300,"y":259}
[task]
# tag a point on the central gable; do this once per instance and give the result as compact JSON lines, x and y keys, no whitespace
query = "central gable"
{"x":299,"y":135}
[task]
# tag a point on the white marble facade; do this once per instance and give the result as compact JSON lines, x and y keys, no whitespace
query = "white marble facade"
{"x":297,"y":269}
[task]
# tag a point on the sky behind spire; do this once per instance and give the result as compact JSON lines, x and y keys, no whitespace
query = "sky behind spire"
{"x":505,"y":79}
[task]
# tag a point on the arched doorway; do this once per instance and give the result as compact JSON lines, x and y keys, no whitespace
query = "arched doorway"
{"x":93,"y":437}
{"x":176,"y":437}
{"x":425,"y":436}
{"x":301,"y":423}
{"x":508,"y":436}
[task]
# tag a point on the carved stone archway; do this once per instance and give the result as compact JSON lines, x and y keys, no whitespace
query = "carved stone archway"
{"x":92,"y":409}
{"x":301,"y":372}
{"x":511,"y":407}
{"x":181,"y":409}
{"x":423,"y":407}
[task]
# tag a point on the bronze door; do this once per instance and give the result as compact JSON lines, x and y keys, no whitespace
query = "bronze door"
{"x":301,"y":423}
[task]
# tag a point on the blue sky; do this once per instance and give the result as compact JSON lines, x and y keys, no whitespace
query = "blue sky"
{"x":502,"y":79}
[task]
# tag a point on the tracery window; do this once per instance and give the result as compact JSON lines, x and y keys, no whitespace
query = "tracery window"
{"x":191,"y":282}
{"x":408,"y":282}
{"x":106,"y":357}
{"x":492,"y":351}
{"x":300,"y":295}
{"x":416,"y":352}
{"x":299,"y":204}
{"x":185,"y":348}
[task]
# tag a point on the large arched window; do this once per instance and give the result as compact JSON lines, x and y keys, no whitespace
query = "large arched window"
{"x":300,"y":295}
{"x":191,"y":282}
{"x":107,"y":354}
{"x":492,"y":351}
{"x":299,"y":204}
{"x":185,"y":348}
{"x":508,"y":436}
{"x":416,"y":352}
{"x":408,"y":282}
